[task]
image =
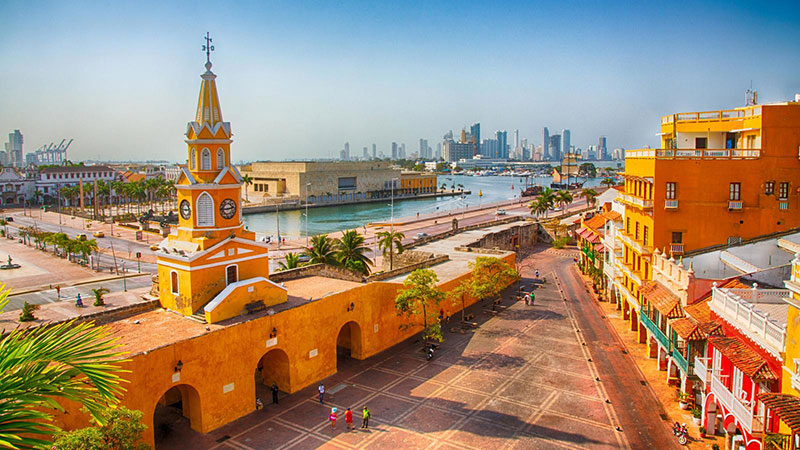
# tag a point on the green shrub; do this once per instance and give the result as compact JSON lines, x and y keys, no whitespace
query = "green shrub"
{"x":560,"y":242}
{"x":122,"y":431}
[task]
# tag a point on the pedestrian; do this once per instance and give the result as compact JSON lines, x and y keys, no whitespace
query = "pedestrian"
{"x":533,"y":297}
{"x":537,"y":274}
{"x":333,"y":418}
{"x":365,"y":415}
{"x":274,"y":389}
{"x":259,"y":404}
{"x":348,"y":419}
{"x":321,"y":390}
{"x":58,"y":292}
{"x":78,"y":301}
{"x":527,"y":299}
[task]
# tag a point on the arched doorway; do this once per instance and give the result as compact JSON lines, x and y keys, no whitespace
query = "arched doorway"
{"x":176,"y":414}
{"x":348,"y":343}
{"x":273,"y":367}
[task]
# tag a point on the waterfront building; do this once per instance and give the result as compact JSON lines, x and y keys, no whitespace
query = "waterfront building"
{"x":602,"y":148}
{"x":555,"y":147}
{"x":401,"y":152}
{"x":438,"y":154}
{"x":618,"y":154}
{"x":489,"y":148}
{"x":423,"y":149}
{"x":319,"y":182}
{"x":13,"y":149}
{"x":454,"y":151}
{"x":415,"y":182}
{"x":475,"y":133}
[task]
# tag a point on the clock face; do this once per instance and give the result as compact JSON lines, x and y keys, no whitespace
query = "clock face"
{"x":186,"y":209}
{"x":227,"y":208}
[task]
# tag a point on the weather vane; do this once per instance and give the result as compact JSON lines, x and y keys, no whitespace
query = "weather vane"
{"x":208,"y":48}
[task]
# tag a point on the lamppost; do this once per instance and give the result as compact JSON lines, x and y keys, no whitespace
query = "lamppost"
{"x":391,"y":226}
{"x":307,"y":185}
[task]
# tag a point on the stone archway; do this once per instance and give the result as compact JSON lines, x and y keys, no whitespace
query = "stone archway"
{"x":177,"y":413}
{"x":272,"y":367}
{"x":348,"y":342}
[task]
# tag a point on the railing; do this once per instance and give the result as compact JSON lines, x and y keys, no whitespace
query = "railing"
{"x":699,"y":153}
{"x":734,"y":204}
{"x":701,"y":368}
{"x":635,"y":201}
{"x":657,"y":333}
{"x":783,"y":205}
{"x":743,"y":414}
{"x":670,"y":204}
{"x":796,"y":381}
{"x":754,"y":323}
{"x":676,"y":249}
{"x":680,"y":361}
{"x":633,"y":243}
{"x":704,"y":116}
{"x":776,"y":441}
{"x":628,"y":271}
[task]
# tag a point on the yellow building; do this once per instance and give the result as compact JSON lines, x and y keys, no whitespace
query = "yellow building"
{"x":211,"y":262}
{"x":415,"y":182}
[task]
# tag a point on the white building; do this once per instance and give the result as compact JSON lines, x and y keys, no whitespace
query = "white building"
{"x":53,"y":178}
{"x":15,"y":188}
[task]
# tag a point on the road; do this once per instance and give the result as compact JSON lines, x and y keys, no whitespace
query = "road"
{"x":638,"y":409}
{"x":69,"y":293}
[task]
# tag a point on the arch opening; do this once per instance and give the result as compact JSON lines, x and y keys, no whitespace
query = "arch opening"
{"x":271,"y":368}
{"x":348,"y":343}
{"x":176,"y":414}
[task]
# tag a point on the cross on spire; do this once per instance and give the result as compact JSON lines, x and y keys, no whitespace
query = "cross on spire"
{"x":208,"y":48}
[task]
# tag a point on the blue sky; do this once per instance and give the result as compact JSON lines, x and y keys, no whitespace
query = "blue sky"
{"x":298,"y":79}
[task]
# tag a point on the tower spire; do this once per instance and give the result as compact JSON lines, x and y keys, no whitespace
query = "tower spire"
{"x":208,"y":48}
{"x":208,"y":107}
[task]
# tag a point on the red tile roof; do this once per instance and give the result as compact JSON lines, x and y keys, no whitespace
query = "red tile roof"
{"x":664,"y":301}
{"x":743,"y":357}
{"x":597,"y":222}
{"x":786,"y":407}
{"x":612,"y":215}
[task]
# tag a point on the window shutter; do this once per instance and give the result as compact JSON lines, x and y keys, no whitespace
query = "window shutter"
{"x":205,"y":211}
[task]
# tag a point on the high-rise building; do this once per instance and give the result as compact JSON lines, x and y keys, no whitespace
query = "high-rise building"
{"x":453,"y":151}
{"x":565,"y":142}
{"x":346,"y":151}
{"x":475,"y":132}
{"x":602,"y":149}
{"x":516,"y":138}
{"x":502,"y":143}
{"x":366,"y":154}
{"x":374,"y":151}
{"x":489,"y":148}
{"x":401,"y":153}
{"x":555,"y":147}
{"x":394,"y":151}
{"x":545,"y":143}
{"x":423,"y":149}
{"x":14,"y":149}
{"x":438,"y":150}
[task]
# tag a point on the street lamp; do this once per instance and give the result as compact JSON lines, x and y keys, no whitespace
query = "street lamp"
{"x":307,"y":185}
{"x":392,"y":219}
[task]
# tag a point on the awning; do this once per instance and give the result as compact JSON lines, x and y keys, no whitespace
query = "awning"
{"x":662,"y":299}
{"x":600,"y":248}
{"x":594,"y":239}
{"x":786,"y":407}
{"x":744,"y":358}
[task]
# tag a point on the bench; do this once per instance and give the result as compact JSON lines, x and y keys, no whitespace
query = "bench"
{"x":490,"y":312}
{"x":254,"y":307}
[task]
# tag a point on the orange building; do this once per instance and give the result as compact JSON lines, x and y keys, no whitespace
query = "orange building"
{"x":414,"y":182}
{"x":720,"y":177}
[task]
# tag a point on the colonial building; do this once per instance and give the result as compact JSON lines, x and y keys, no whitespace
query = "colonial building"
{"x":15,"y":188}
{"x":53,"y":178}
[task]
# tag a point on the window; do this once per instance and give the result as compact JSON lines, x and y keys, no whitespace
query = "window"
{"x":671,"y":190}
{"x":636,"y":235}
{"x":205,"y":159}
{"x":701,"y":142}
{"x":717,"y":362}
{"x":220,"y":158}
{"x":730,"y":140}
{"x":205,"y":210}
{"x":231,"y":274}
{"x":193,"y":160}
{"x":769,"y":188}
{"x":736,"y":385}
{"x":174,"y":282}
{"x":735,"y":192}
{"x":677,"y":237}
{"x":628,"y":225}
{"x":644,"y":235}
{"x":783,"y":190}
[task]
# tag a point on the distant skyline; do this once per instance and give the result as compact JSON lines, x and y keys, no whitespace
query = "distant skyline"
{"x":300,"y":80}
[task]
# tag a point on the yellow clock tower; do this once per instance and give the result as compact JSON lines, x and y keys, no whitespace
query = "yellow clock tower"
{"x":211,"y":265}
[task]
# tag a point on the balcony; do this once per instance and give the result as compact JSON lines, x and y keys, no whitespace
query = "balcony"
{"x":670,"y":204}
{"x":796,"y":381}
{"x":725,"y":115}
{"x":627,"y":270}
{"x":701,"y":368}
{"x":635,"y":201}
{"x":734,"y":205}
{"x":783,"y":206}
{"x":655,"y":331}
{"x":676,"y":249}
{"x":742,"y":412}
{"x":733,"y":306}
{"x":687,"y":154}
{"x":633,"y":243}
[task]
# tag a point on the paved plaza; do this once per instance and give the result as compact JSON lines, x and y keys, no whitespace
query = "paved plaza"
{"x":523,"y":379}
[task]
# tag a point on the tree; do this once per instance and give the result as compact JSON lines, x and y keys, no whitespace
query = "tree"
{"x":388,"y":241}
{"x":538,"y":207}
{"x":292,"y":262}
{"x":122,"y":431}
{"x":75,"y":361}
{"x":85,"y":248}
{"x":26,"y":315}
{"x":98,"y":295}
{"x":248,"y":180}
{"x":420,"y":298}
{"x":563,"y":197}
{"x":590,"y":195}
{"x":588,"y":169}
{"x":321,"y":250}
{"x":608,"y":182}
{"x":4,"y":224}
{"x":351,"y":252}
{"x":489,"y":276}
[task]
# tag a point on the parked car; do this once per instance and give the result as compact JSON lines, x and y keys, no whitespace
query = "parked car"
{"x":420,"y":235}
{"x":154,"y":247}
{"x":98,"y":234}
{"x":9,"y":219}
{"x":303,"y":258}
{"x":501,"y":212}
{"x":81,"y":237}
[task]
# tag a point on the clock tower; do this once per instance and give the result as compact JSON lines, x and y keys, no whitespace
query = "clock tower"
{"x":211,"y":254}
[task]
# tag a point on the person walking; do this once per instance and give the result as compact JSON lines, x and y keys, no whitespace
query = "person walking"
{"x":274,"y":390}
{"x":527,"y":299}
{"x":78,"y":301}
{"x":533,"y":297}
{"x":348,"y":419}
{"x":321,"y":390}
{"x":365,"y":415}
{"x":333,"y":418}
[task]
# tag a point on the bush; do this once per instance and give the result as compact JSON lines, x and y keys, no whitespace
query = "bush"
{"x":122,"y":431}
{"x":715,"y":447}
{"x":560,"y":242}
{"x":27,"y":312}
{"x":696,"y":413}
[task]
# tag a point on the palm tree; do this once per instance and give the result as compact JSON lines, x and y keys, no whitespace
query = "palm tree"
{"x":351,"y":252}
{"x":388,"y":241}
{"x":248,"y":180}
{"x":590,"y":195}
{"x":563,"y":197}
{"x":98,"y":295}
{"x":85,"y":248}
{"x":538,"y":207}
{"x":4,"y":224}
{"x":292,"y":262}
{"x":75,"y":361}
{"x":321,"y":250}
{"x":608,"y":182}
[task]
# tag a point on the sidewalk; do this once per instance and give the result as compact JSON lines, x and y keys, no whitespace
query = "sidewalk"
{"x":656,"y":379}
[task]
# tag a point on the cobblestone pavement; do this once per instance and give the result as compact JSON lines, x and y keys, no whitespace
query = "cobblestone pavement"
{"x":523,"y":379}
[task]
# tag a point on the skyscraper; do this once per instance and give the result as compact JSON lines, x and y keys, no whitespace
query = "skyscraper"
{"x":14,"y":149}
{"x":366,"y":154}
{"x":502,"y":143}
{"x":565,"y":144}
{"x":402,"y":151}
{"x":602,"y":149}
{"x":394,"y":151}
{"x":555,"y":147}
{"x":346,"y":151}
{"x":475,"y":132}
{"x":516,"y":138}
{"x":545,"y":144}
{"x":423,"y":149}
{"x":438,"y":150}
{"x":374,"y":151}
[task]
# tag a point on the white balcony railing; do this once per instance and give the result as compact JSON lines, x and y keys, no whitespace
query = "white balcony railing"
{"x":701,"y":368}
{"x":636,"y":201}
{"x":742,"y":412}
{"x":676,"y":249}
{"x":670,"y":204}
{"x":796,"y":381}
{"x":627,"y":271}
{"x":783,"y":205}
{"x":734,"y":204}
{"x":733,"y":306}
{"x":694,"y":153}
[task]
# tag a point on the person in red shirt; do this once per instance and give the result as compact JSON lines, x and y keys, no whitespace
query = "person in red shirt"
{"x":348,"y":419}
